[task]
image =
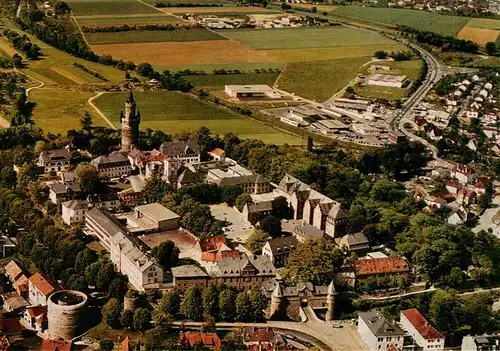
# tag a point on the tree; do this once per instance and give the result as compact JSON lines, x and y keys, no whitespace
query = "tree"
{"x":380,"y":54}
{"x":192,"y":304}
{"x":155,"y":188}
{"x":444,"y":311}
{"x":259,"y":304}
{"x":127,"y":319}
{"x":243,"y":307}
{"x":350,"y":90}
{"x":105,"y":276}
{"x":91,"y":273}
{"x":242,"y":200}
{"x":145,"y":69}
{"x":227,"y":308}
{"x":89,"y":179}
{"x":230,"y":193}
{"x":111,"y":313}
{"x":167,"y":254}
{"x":170,"y":303}
{"x":106,"y":345}
{"x":256,"y":241}
{"x":142,"y":319}
{"x":85,"y":258}
{"x":86,"y":121}
{"x":211,"y":301}
{"x":271,"y":225}
{"x":491,"y":48}
{"x":281,"y":208}
{"x":118,"y":287}
{"x":233,"y":340}
{"x":315,"y":261}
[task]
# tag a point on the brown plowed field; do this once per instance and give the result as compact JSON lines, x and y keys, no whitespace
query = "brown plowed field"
{"x":184,"y":53}
{"x":478,"y":35}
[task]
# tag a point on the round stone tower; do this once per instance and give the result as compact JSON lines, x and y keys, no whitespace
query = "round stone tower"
{"x":276,"y":297}
{"x":330,"y":302}
{"x":65,"y":314}
{"x":130,"y":121}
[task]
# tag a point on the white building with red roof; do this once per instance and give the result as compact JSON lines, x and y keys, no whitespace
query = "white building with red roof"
{"x":463,"y":173}
{"x":40,"y":288}
{"x":424,"y":334}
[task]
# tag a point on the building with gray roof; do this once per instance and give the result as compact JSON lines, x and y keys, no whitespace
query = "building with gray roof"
{"x":114,"y":165}
{"x":379,"y":332}
{"x":278,"y":249}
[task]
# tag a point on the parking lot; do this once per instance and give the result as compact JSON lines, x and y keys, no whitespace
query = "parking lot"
{"x":239,"y":229}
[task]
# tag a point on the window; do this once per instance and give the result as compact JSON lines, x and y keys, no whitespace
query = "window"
{"x":380,"y":339}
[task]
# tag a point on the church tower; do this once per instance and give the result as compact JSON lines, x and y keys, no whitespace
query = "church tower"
{"x":130,"y":121}
{"x":330,"y":302}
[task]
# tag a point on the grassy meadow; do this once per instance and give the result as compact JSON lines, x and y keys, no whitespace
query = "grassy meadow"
{"x":118,"y":20}
{"x":108,"y":7}
{"x":422,"y":20}
{"x":213,"y":82}
{"x":175,"y":112}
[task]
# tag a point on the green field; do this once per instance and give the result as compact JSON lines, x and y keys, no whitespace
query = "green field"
{"x":175,"y":112}
{"x":319,"y":80}
{"x":151,"y":36}
{"x":58,"y":111}
{"x":54,"y":76}
{"x":486,"y":23}
{"x":217,"y":81}
{"x":130,"y":20}
{"x":108,"y":7}
{"x":442,"y":24}
{"x":198,"y":2}
{"x":293,"y":38}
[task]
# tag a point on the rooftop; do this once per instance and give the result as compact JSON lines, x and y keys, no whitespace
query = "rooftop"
{"x":188,"y":271}
{"x":256,"y":88}
{"x":423,"y":327}
{"x":380,"y":325}
{"x":157,"y":211}
{"x":283,"y":244}
{"x":387,"y":77}
{"x":43,"y":284}
{"x":380,"y":265}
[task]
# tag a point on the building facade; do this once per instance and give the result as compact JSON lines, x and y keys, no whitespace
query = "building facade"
{"x":40,"y":288}
{"x":424,"y":334}
{"x":379,"y":332}
{"x":278,"y":249}
{"x":130,"y":121}
{"x":54,"y":160}
{"x":114,"y":165}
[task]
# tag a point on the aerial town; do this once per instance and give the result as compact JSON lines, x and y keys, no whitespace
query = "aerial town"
{"x":249,"y":175}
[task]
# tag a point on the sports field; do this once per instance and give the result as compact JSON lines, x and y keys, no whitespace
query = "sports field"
{"x":212,"y":52}
{"x":108,"y":7}
{"x":428,"y":21}
{"x":57,"y":111}
{"x":293,"y":38}
{"x":218,"y":81}
{"x":119,"y":20}
{"x":319,"y":80}
{"x":175,"y":112}
{"x":151,"y":36}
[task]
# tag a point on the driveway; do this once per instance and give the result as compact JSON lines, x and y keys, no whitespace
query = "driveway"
{"x":239,"y":229}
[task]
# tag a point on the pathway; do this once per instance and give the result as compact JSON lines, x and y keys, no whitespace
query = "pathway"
{"x":99,"y":112}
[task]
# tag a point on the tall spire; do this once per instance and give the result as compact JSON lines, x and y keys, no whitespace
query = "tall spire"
{"x":131,"y":96}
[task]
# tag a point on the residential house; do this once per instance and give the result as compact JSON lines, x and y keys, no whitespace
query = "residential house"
{"x":253,"y":212}
{"x":56,"y":345}
{"x":195,"y":340}
{"x":73,"y":211}
{"x":263,"y":339}
{"x":249,"y":182}
{"x":187,"y":176}
{"x":481,"y":342}
{"x":379,"y":332}
{"x":424,"y":334}
{"x":184,"y":151}
{"x":313,"y":207}
{"x":357,"y":243}
{"x":466,"y":197}
{"x":54,"y":160}
{"x":60,"y":192}
{"x":7,"y":247}
{"x":109,"y":200}
{"x":362,"y":268}
{"x":40,"y":288}
{"x":458,"y":217}
{"x":217,"y":154}
{"x":302,"y":230}
{"x":15,"y":304}
{"x":35,"y":317}
{"x":215,"y":248}
{"x":278,"y":249}
{"x":481,"y":185}
{"x":114,"y":165}
{"x":13,"y":271}
{"x":21,"y":286}
{"x":453,"y":186}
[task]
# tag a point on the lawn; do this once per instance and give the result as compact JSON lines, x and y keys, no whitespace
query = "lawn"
{"x":171,"y":54}
{"x":108,"y":7}
{"x":175,"y":112}
{"x":316,"y":54}
{"x":150,"y":36}
{"x":442,"y":24}
{"x":319,"y":80}
{"x":112,"y":20}
{"x":294,"y":38}
{"x":218,"y":81}
{"x":58,"y":111}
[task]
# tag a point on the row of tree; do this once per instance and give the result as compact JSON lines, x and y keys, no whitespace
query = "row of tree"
{"x":446,"y":43}
{"x":23,"y":44}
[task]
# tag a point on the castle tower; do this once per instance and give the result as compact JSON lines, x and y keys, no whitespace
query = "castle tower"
{"x":276,"y":297}
{"x":130,"y":121}
{"x":330,"y":302}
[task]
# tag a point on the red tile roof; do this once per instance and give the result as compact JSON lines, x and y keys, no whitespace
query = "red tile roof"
{"x":56,"y":345}
{"x":453,"y":183}
{"x":421,"y":325}
{"x":36,"y":311}
{"x":464,"y":169}
{"x":392,"y":347}
{"x":11,"y":325}
{"x":219,"y":255}
{"x":43,"y":284}
{"x":210,"y":340}
{"x":125,"y":344}
{"x":212,"y":243}
{"x":380,"y":265}
{"x":258,"y":334}
{"x":217,"y":151}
